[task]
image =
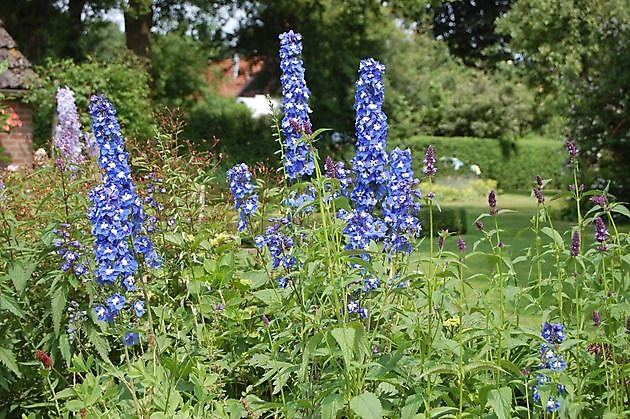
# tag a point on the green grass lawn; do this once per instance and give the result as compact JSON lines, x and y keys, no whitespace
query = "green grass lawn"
{"x":518,"y":236}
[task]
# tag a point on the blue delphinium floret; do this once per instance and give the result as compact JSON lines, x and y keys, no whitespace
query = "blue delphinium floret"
{"x":68,"y":131}
{"x":552,"y":361}
{"x":295,"y":122}
{"x":138,"y":308}
{"x":245,"y":200}
{"x":402,"y":203}
{"x":337,"y":170}
{"x":361,"y":228}
{"x":131,"y":338}
{"x":70,"y":250}
{"x":278,"y":244}
{"x":553,"y":333}
{"x":304,"y":200}
{"x":371,"y":157}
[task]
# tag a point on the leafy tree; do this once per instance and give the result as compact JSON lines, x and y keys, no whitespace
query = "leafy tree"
{"x":578,"y":52}
{"x":336,"y":36}
{"x":467,"y":26}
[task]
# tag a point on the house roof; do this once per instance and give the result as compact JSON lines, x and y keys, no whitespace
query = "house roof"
{"x":20,"y":69}
{"x":243,"y":77}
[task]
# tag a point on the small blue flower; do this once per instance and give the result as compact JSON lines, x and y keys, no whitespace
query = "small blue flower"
{"x":553,"y":333}
{"x":138,"y":308}
{"x":116,"y":302}
{"x":552,"y":405}
{"x":131,"y":338}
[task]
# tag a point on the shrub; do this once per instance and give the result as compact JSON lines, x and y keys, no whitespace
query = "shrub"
{"x":123,"y":79}
{"x":241,"y":137}
{"x":451,"y":219}
{"x":513,"y":165}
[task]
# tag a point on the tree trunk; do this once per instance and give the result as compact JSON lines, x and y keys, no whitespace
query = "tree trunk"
{"x":138,"y":21}
{"x":75,"y":27}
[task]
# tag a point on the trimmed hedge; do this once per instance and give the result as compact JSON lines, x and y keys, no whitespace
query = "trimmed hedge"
{"x":513,"y":165}
{"x":451,"y":219}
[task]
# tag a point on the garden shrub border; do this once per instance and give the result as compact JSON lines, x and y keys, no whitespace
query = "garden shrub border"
{"x":514,"y":165}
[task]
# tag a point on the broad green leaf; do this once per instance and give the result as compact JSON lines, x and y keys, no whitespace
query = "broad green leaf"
{"x":58,"y":304}
{"x":441,"y":411}
{"x":367,"y":406}
{"x":348,"y":340}
{"x":331,"y":405}
{"x":271,"y":297}
{"x":411,"y":407}
{"x":7,"y":358}
{"x":74,"y":405}
{"x":310,"y":347}
{"x":554,"y":235}
{"x":20,"y":274}
{"x":501,"y":400}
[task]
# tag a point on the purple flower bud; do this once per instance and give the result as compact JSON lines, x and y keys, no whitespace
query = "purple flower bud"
{"x":461,"y":244}
{"x":441,"y":242}
{"x":429,"y":162}
{"x":479,"y":225}
{"x":599,"y":200}
{"x":492,"y":202}
{"x":601,"y":233}
{"x":539,"y":195}
{"x":597,"y":318}
{"x":331,"y":170}
{"x":572,"y":149}
{"x":575,"y":243}
{"x":265,"y":320}
{"x":539,"y":181}
{"x":628,"y":325}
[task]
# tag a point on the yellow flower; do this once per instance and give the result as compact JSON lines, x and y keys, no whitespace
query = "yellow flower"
{"x":452,"y":322}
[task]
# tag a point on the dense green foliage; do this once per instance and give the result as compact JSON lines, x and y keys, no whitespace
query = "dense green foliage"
{"x":514,"y":165}
{"x":576,"y":53}
{"x":222,"y":340}
{"x":452,"y":220}
{"x":241,"y":137}
{"x":123,"y":79}
{"x":432,"y":93}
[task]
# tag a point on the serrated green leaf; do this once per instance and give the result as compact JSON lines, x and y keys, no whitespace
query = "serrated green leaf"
{"x":100,"y":344}
{"x":58,"y":306}
{"x":9,"y":304}
{"x":554,"y":235}
{"x":7,"y":358}
{"x":441,"y":411}
{"x":501,"y":401}
{"x":367,"y":406}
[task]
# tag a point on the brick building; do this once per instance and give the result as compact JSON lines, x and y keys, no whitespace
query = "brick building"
{"x":17,"y":143}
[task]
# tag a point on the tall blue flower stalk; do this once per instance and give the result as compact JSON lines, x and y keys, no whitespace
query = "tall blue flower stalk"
{"x":402,"y":203}
{"x":245,"y":200}
{"x":552,"y":362}
{"x":68,"y":131}
{"x":117,"y":217}
{"x":298,"y":161}
{"x":370,"y":161}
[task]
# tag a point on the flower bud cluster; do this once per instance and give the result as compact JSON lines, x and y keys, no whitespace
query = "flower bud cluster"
{"x":70,"y":250}
{"x":551,"y":360}
{"x":117,"y":216}
{"x":68,"y":131}
{"x":402,"y":203}
{"x":295,"y":123}
{"x":371,"y":159}
{"x":245,"y":200}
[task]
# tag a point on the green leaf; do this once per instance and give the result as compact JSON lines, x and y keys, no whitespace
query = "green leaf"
{"x":271,"y":297}
{"x":480,"y":366}
{"x":347,"y":340}
{"x":554,"y":235}
{"x":20,"y":275}
{"x":367,"y":406}
{"x":64,"y":347}
{"x":58,"y":305}
{"x":441,"y":411}
{"x":412,"y":404}
{"x":100,"y":344}
{"x":331,"y":405}
{"x":7,"y":358}
{"x":501,"y":400}
{"x":9,"y":304}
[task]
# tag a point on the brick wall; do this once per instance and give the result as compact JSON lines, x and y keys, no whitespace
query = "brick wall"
{"x":18,"y":144}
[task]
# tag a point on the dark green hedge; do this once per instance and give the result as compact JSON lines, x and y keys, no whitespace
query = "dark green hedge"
{"x":451,"y":219}
{"x":513,"y":165}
